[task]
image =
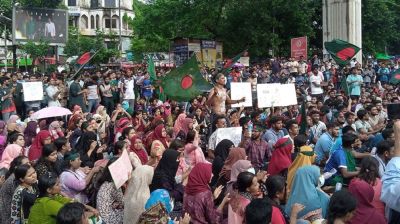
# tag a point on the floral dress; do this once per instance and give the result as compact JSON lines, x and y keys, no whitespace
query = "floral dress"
{"x":22,"y":200}
{"x":110,"y":203}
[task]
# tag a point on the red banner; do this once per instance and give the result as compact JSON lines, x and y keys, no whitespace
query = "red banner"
{"x":299,"y":47}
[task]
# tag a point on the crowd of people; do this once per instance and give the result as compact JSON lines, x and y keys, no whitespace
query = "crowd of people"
{"x":333,"y":158}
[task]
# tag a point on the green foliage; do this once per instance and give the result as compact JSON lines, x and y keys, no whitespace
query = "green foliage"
{"x":36,"y":50}
{"x":41,"y":3}
{"x":78,"y":44}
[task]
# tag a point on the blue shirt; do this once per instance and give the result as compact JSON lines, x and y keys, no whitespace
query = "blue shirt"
{"x":376,"y":140}
{"x":323,"y":147}
{"x":391,"y":184}
{"x":271,"y":137}
{"x":336,"y":161}
{"x":355,"y":87}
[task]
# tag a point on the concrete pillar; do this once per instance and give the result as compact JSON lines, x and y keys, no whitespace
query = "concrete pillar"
{"x":341,"y":19}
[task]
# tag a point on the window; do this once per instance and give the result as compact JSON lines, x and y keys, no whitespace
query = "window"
{"x":115,"y":22}
{"x":109,"y":4}
{"x":97,"y":22}
{"x":71,"y":2}
{"x":92,"y":25}
{"x":84,"y":22}
{"x":94,"y":4}
{"x":107,"y":22}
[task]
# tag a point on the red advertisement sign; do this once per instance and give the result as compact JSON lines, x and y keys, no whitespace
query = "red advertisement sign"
{"x":298,"y":47}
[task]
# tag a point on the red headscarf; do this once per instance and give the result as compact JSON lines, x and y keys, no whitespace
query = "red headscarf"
{"x":365,"y":211}
{"x":199,"y":178}
{"x":157,"y":135}
{"x":122,"y":124}
{"x":281,"y":156}
{"x":141,"y":152}
{"x":35,"y":152}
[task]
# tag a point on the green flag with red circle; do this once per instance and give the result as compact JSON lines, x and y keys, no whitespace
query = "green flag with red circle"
{"x":341,"y":51}
{"x":395,"y":77}
{"x":185,"y":82}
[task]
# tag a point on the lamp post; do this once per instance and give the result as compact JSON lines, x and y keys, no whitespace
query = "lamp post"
{"x":119,"y":26}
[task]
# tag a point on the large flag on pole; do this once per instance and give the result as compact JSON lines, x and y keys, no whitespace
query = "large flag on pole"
{"x":395,"y":77}
{"x":82,"y":61}
{"x":231,"y":62}
{"x":185,"y":82}
{"x":151,"y":69}
{"x":344,"y":86}
{"x":341,"y":51}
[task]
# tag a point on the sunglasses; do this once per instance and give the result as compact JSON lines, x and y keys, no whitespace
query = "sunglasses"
{"x":98,"y":121}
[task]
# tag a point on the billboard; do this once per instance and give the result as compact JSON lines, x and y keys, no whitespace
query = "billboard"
{"x":298,"y":47}
{"x":37,"y":24}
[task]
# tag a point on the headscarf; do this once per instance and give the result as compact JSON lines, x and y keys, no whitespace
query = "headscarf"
{"x":156,"y":151}
{"x":20,"y":127}
{"x":141,"y":153}
{"x":85,"y":140}
{"x":35,"y":152}
{"x":43,"y":125}
{"x":305,"y":192}
{"x":166,"y":169}
{"x":157,"y":209}
{"x":199,"y":178}
{"x":137,"y":193}
{"x":122,"y":124}
{"x":167,"y":111}
{"x":100,"y":111}
{"x":365,"y":211}
{"x":281,"y":157}
{"x":55,"y":130}
{"x":157,"y":135}
{"x":71,"y":123}
{"x":11,"y":152}
{"x":3,"y":143}
{"x":234,"y":155}
{"x":222,"y":149}
{"x":3,"y":126}
{"x":178,"y":123}
{"x":305,"y":157}
{"x":30,"y":132}
{"x":238,"y":167}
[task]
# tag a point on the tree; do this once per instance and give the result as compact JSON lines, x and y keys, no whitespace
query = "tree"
{"x":36,"y":50}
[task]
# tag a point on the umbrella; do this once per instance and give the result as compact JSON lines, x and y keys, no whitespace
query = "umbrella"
{"x":51,"y":112}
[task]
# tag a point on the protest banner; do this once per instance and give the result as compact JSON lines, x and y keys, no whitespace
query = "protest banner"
{"x":240,"y":90}
{"x":121,"y":169}
{"x":276,"y":95}
{"x":245,"y":61}
{"x":33,"y":91}
{"x":233,"y":134}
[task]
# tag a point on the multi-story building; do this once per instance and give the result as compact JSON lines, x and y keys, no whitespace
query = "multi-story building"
{"x":105,"y":15}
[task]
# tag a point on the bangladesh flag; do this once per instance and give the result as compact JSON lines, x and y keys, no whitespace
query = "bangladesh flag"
{"x":185,"y":82}
{"x":395,"y":77}
{"x":151,"y":69}
{"x":231,"y":62}
{"x":344,"y":86}
{"x":341,"y":51}
{"x":82,"y":61}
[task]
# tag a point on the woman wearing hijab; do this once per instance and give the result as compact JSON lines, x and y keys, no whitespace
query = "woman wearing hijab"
{"x":55,"y":130}
{"x":160,"y":134}
{"x":234,"y":155}
{"x":167,"y":114}
{"x":15,"y":125}
{"x":164,"y":175}
{"x":30,"y":132}
{"x":178,"y":123}
{"x":121,"y":125}
{"x":104,"y":118}
{"x":365,"y":213}
{"x":137,"y":147}
{"x":281,"y":157}
{"x":3,"y":128}
{"x":88,"y":149}
{"x":13,"y":150}
{"x":193,"y":153}
{"x":238,"y":167}
{"x":42,"y":138}
{"x":221,"y":153}
{"x":305,"y":191}
{"x":156,"y":152}
{"x":137,"y":193}
{"x":305,"y":157}
{"x":157,"y":209}
{"x":198,"y":201}
{"x":76,"y":115}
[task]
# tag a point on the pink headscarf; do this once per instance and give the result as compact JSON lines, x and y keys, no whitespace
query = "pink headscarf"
{"x":55,"y":130}
{"x":179,"y":123}
{"x":11,"y":152}
{"x":238,"y":167}
{"x":167,"y":111}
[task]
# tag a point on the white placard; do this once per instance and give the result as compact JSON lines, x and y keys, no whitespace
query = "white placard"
{"x":245,"y":61}
{"x":240,"y":90}
{"x":121,"y":169}
{"x":233,"y":134}
{"x":33,"y":91}
{"x":276,"y":95}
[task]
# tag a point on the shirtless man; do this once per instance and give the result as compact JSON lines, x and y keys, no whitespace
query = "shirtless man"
{"x":218,"y":98}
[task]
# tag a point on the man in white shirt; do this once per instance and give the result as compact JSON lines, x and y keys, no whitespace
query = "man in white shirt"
{"x":293,"y":67}
{"x":316,"y":80}
{"x":50,"y":29}
{"x":303,"y":66}
{"x":53,"y":93}
{"x":129,"y":90}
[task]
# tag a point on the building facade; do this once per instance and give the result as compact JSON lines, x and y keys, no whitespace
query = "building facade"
{"x":104,"y":15}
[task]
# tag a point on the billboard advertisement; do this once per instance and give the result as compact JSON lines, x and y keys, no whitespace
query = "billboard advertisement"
{"x":37,"y":24}
{"x":298,"y":47}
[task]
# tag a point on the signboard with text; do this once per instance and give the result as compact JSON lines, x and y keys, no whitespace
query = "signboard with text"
{"x":298,"y":47}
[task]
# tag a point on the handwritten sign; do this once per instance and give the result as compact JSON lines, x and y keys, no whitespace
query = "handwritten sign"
{"x":121,"y":169}
{"x":233,"y":134}
{"x":276,"y":95}
{"x":33,"y":91}
{"x":245,"y":61}
{"x":240,"y":90}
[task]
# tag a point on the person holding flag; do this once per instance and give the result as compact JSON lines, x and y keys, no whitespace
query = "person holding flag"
{"x":354,"y":81}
